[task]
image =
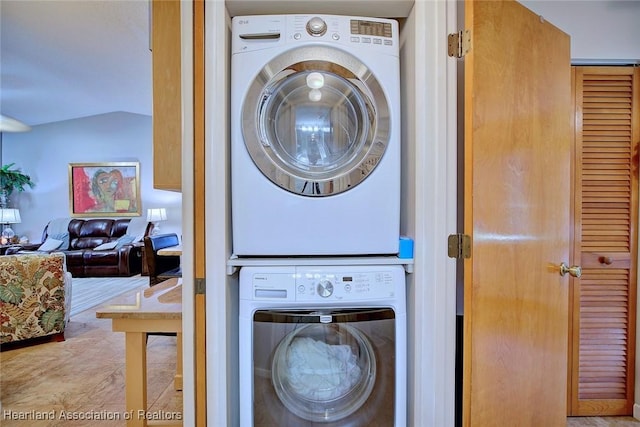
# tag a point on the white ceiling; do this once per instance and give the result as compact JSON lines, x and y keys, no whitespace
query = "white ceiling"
{"x":61,"y":60}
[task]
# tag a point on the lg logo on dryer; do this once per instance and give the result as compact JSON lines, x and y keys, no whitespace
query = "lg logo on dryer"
{"x":243,"y":21}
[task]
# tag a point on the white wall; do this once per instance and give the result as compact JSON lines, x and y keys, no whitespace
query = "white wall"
{"x":601,"y":31}
{"x":45,"y":152}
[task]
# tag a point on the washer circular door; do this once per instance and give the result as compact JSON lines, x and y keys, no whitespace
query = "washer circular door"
{"x":315,"y":121}
{"x":324,"y":372}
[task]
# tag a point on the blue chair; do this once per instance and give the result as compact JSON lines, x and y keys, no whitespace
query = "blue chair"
{"x":161,"y":267}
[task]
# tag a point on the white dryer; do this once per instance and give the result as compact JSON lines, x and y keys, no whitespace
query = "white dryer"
{"x":315,"y":155}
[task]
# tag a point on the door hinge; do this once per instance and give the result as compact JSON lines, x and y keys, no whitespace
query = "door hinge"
{"x":459,"y":246}
{"x":459,"y":43}
{"x":199,"y":286}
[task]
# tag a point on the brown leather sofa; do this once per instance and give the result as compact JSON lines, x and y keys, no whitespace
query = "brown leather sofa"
{"x":86,"y":234}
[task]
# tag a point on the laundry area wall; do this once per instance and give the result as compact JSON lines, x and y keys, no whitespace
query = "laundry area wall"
{"x":427,"y":199}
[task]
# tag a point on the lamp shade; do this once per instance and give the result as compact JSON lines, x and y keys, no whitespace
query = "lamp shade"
{"x":156,"y":214}
{"x":10,"y":216}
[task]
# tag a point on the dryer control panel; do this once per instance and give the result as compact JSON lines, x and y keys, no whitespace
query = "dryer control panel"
{"x":257,"y":32}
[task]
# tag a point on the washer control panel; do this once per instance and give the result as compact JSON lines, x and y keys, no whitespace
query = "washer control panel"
{"x":330,"y":284}
{"x":315,"y":285}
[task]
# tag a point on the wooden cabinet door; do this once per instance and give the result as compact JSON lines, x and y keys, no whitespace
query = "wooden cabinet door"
{"x":602,"y":346}
{"x":517,"y":210}
{"x":167,"y":113}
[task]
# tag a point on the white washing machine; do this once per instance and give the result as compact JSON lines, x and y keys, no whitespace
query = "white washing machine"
{"x":315,"y":155}
{"x":322,"y":346}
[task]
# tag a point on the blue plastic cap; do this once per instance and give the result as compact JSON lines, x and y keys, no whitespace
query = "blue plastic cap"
{"x":406,"y":247}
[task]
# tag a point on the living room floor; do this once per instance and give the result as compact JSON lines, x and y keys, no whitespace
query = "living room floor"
{"x":602,"y":422}
{"x":83,"y":376}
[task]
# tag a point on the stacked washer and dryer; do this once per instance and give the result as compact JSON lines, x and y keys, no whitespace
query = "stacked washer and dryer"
{"x":315,"y":167}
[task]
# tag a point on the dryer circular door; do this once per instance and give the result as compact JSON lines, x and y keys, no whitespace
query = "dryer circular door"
{"x":316,"y":121}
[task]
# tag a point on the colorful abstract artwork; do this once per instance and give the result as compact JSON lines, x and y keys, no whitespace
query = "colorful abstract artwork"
{"x":104,"y":189}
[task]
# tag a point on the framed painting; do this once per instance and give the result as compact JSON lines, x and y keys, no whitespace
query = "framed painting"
{"x":104,"y":189}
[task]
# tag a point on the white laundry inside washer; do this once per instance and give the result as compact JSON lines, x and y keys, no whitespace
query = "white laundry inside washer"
{"x":320,"y":371}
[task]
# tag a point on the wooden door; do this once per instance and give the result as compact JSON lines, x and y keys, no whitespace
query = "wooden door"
{"x":517,"y":211}
{"x":602,"y":324}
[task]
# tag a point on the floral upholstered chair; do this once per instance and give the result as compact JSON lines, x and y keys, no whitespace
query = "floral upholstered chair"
{"x":35,"y":296}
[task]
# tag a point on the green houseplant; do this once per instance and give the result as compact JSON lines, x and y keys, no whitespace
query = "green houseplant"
{"x":12,"y":180}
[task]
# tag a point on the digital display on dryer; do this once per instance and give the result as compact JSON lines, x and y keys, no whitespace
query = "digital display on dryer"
{"x":370,"y":28}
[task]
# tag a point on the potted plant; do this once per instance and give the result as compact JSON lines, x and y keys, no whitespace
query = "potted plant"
{"x":10,"y":181}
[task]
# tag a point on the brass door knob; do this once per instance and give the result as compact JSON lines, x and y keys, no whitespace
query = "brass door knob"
{"x":574,"y":270}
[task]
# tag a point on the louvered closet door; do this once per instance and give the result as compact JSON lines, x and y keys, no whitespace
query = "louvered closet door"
{"x":602,"y":329}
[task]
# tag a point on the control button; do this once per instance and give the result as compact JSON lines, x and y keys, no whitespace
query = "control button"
{"x":324,"y":288}
{"x":347,"y":288}
{"x":316,"y":26}
{"x":366,"y":40}
{"x":335,"y":36}
{"x":297,"y":36}
{"x":377,"y":41}
{"x":355,"y":39}
{"x":301,"y":289}
{"x":388,"y":43}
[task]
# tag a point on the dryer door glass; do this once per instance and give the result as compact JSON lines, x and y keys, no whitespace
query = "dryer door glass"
{"x":316,"y":127}
{"x":317,"y":122}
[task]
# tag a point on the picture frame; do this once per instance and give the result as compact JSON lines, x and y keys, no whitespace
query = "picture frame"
{"x":104,"y":189}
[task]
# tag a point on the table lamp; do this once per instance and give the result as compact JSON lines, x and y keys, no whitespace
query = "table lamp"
{"x":8,"y":217}
{"x":155,"y":215}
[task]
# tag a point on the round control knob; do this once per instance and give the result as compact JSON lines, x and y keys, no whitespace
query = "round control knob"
{"x":324,"y":288}
{"x":316,"y":26}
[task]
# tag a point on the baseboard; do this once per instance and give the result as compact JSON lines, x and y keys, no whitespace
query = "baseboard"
{"x":636,"y":411}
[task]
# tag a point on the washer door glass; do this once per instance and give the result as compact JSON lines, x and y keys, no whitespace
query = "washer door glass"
{"x":324,"y":372}
{"x":315,"y":127}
